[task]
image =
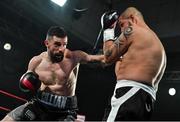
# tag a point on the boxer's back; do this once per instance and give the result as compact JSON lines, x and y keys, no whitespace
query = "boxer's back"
{"x":143,"y":59}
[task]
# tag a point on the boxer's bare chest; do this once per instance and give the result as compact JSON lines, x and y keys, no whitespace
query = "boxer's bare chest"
{"x":54,"y":73}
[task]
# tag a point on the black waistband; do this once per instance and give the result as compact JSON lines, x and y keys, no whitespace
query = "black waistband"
{"x":62,"y":102}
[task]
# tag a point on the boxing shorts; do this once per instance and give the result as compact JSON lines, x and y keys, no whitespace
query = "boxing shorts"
{"x":131,"y":100}
{"x":47,"y":106}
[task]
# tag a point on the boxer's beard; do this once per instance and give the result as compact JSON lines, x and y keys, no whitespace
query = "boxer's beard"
{"x":55,"y":58}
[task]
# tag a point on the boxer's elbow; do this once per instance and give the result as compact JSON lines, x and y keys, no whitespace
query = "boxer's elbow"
{"x":107,"y":56}
{"x":108,"y":60}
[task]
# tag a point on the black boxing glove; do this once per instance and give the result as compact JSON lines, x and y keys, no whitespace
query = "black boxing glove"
{"x":108,"y":20}
{"x":30,"y":82}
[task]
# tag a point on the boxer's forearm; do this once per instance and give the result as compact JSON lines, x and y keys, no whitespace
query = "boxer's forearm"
{"x":110,"y":52}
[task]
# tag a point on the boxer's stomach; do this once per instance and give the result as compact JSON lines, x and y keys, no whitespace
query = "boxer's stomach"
{"x":58,"y":83}
{"x":59,"y":89}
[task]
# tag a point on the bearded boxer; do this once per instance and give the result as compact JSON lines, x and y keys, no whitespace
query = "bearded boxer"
{"x":51,"y":77}
{"x":140,"y":62}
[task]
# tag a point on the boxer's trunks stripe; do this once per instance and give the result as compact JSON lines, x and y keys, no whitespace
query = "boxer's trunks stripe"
{"x":116,"y":103}
{"x":62,"y":102}
{"x":130,"y":83}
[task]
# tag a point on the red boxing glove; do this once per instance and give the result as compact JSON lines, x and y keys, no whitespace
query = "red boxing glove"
{"x":30,"y":82}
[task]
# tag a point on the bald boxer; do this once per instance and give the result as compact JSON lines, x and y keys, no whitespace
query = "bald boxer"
{"x":51,"y":77}
{"x":140,"y":62}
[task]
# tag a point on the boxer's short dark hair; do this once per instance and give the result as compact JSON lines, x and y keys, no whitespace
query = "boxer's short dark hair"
{"x":56,"y":31}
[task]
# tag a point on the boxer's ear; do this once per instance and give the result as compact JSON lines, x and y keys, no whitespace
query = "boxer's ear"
{"x":46,"y":43}
{"x":133,"y":18}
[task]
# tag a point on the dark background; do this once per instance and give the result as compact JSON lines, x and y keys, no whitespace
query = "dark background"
{"x":24,"y":24}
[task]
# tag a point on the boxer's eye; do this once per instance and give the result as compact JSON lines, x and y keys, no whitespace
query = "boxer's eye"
{"x":121,"y":24}
{"x":57,"y":44}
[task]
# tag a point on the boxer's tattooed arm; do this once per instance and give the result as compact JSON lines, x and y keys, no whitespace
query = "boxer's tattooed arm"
{"x":117,"y":42}
{"x":119,"y":46}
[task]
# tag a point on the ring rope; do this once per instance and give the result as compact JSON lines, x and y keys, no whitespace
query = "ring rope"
{"x":12,"y":95}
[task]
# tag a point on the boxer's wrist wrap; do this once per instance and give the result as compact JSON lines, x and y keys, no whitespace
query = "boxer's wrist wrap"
{"x":108,"y":34}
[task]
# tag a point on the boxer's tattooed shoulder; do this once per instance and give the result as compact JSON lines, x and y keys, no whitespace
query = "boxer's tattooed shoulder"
{"x":108,"y":53}
{"x":128,"y":31}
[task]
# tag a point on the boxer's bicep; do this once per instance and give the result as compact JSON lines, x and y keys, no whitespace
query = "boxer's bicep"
{"x":122,"y":44}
